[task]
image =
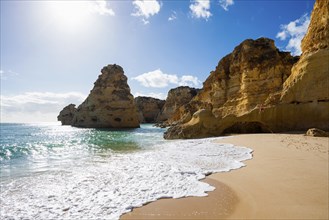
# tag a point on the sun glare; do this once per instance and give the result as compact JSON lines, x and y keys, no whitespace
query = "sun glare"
{"x":70,"y":14}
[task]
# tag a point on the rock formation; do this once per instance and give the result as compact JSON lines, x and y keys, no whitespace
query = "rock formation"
{"x":176,"y":98}
{"x":252,"y":75}
{"x":246,"y":78}
{"x":66,"y":115}
{"x":279,"y":118}
{"x":148,"y":108}
{"x":237,"y":93}
{"x":309,"y":79}
{"x":109,"y":104}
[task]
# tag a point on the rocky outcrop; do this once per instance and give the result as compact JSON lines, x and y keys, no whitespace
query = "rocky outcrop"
{"x":249,"y":77}
{"x":176,"y":98}
{"x":148,"y":108}
{"x":109,"y":104}
{"x":66,"y":115}
{"x":279,"y":118}
{"x":246,"y":78}
{"x":184,"y":113}
{"x":240,"y":105}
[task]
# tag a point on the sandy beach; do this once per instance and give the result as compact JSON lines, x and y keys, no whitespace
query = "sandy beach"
{"x":286,"y":179}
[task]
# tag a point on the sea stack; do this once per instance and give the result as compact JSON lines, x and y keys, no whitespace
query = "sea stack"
{"x":109,"y":104}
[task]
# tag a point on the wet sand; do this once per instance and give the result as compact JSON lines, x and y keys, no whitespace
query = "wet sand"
{"x":286,"y":179}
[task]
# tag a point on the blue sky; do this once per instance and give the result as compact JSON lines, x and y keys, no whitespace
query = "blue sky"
{"x":52,"y":52}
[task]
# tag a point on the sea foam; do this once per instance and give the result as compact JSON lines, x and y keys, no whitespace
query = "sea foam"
{"x":105,"y":187}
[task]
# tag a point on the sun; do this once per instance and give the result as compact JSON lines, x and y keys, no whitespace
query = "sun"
{"x":69,"y":14}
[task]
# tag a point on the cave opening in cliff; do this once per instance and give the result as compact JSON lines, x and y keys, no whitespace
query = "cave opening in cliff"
{"x":247,"y":128}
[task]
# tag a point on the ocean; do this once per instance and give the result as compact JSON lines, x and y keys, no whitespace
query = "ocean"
{"x":49,"y":171}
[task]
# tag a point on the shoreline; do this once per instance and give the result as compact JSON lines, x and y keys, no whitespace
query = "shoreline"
{"x":286,"y":178}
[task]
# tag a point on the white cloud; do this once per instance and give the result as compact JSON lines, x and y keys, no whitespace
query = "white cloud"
{"x":36,"y":105}
{"x":226,"y":3}
{"x":101,"y":7}
{"x":188,"y":80}
{"x":158,"y":79}
{"x":173,"y":16}
{"x":200,"y":9}
{"x":294,"y":31}
{"x":146,"y":9}
{"x":152,"y":94}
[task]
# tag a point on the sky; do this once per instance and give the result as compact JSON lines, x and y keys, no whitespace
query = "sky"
{"x":52,"y":51}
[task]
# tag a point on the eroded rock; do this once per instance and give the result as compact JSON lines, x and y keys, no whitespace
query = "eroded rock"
{"x":148,"y":108}
{"x":246,"y":78}
{"x":309,"y":80}
{"x":257,"y":93}
{"x":176,"y":98}
{"x":109,"y":104}
{"x":66,"y":115}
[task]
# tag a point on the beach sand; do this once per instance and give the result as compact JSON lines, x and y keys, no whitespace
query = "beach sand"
{"x":286,"y":179}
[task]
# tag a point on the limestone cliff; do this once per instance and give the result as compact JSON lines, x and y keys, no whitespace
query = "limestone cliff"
{"x":309,"y":80}
{"x":66,"y":115}
{"x":176,"y":98}
{"x":302,"y":103}
{"x":148,"y":108}
{"x":246,"y":78}
{"x":279,"y":118}
{"x":317,"y":34}
{"x":251,"y":76}
{"x":109,"y":104}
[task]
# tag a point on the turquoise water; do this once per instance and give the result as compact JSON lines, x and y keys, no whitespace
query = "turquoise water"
{"x":50,"y":171}
{"x":37,"y":147}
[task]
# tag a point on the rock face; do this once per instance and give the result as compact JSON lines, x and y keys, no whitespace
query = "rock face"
{"x":296,"y":102}
{"x":309,"y":79}
{"x":279,"y":118}
{"x":148,"y":108}
{"x":66,"y":115}
{"x":109,"y":104}
{"x":317,"y":34}
{"x":246,"y":77}
{"x":176,"y":98}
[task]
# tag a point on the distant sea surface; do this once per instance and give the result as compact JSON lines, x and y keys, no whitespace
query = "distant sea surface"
{"x":50,"y":171}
